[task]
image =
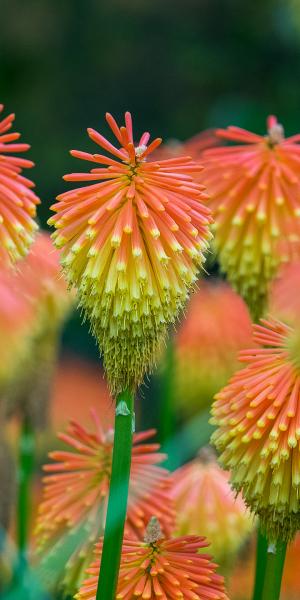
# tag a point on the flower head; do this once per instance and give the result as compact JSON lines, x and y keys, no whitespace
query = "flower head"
{"x":205,"y":503}
{"x":217,"y":325}
{"x":76,"y":493}
{"x":17,"y":200}
{"x":193,"y":147}
{"x":258,"y":418}
{"x":255,"y":198}
{"x":132,"y":243}
{"x":161,"y":568}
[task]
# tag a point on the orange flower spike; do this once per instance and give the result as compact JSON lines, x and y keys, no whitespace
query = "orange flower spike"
{"x":205,"y":503}
{"x":258,"y":418}
{"x":41,"y":279}
{"x":17,"y":200}
{"x":255,"y":198}
{"x":216,"y":327}
{"x":76,"y":492}
{"x":132,"y":244}
{"x":161,"y":568}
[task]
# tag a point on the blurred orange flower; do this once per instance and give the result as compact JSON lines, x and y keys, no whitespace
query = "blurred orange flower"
{"x":132,"y":244}
{"x":42,"y":286}
{"x":216,"y":327}
{"x":17,"y":200}
{"x":193,"y":147}
{"x":43,"y":283}
{"x":285,"y":294}
{"x":161,"y":568}
{"x":16,"y":319}
{"x":205,"y":503}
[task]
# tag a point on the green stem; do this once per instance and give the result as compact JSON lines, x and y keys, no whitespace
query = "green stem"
{"x":25,"y":472}
{"x":118,"y":494}
{"x":274,"y":571}
{"x":261,"y":561}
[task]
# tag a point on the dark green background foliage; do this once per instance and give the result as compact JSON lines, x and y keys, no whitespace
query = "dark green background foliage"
{"x":179,"y":67}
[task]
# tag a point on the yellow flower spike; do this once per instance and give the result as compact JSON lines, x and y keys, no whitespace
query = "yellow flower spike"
{"x":205,"y":503}
{"x":263,"y":454}
{"x":255,"y":198}
{"x":132,"y":244}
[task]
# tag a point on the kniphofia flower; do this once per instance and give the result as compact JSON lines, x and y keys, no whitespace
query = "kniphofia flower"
{"x":76,"y":493}
{"x":258,"y":418}
{"x":216,"y":327}
{"x":255,"y":199}
{"x":17,"y":200}
{"x":162,"y":568}
{"x":132,"y":244}
{"x":206,"y":504}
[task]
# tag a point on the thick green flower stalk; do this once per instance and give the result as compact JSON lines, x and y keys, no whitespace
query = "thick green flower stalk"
{"x":257,"y":415}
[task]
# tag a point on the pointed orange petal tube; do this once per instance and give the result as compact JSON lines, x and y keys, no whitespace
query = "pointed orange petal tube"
{"x":161,"y":568}
{"x":258,"y":418}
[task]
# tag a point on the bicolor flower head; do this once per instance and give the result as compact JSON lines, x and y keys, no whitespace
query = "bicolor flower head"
{"x":17,"y":200}
{"x":205,"y":503}
{"x":168,"y":569}
{"x":76,"y":494}
{"x":132,"y":244}
{"x":216,"y":327}
{"x":194,"y":146}
{"x":258,"y":418}
{"x":43,"y":283}
{"x":255,"y":199}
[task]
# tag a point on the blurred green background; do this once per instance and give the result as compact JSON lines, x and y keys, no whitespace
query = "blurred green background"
{"x":179,"y":67}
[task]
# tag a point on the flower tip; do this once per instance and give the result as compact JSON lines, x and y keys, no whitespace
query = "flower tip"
{"x":153,"y":531}
{"x":91,"y":132}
